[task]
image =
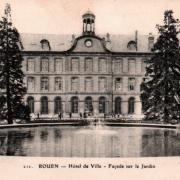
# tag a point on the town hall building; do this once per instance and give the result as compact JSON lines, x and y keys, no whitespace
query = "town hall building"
{"x":88,"y":73}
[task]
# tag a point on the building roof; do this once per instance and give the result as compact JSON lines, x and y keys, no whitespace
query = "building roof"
{"x":118,"y":43}
{"x":31,"y":42}
{"x":88,"y":13}
{"x":115,"y":43}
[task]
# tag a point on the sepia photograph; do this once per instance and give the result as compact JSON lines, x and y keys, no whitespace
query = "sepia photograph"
{"x":88,"y":93}
{"x":90,"y":79}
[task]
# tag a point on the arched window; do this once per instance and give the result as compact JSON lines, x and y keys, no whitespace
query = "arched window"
{"x":131,"y":45}
{"x":88,"y":105}
{"x":44,"y":105}
{"x":131,"y":104}
{"x":88,"y":25}
{"x":30,"y":103}
{"x":57,"y":105}
{"x":45,"y":45}
{"x":118,"y":105}
{"x":102,"y":105}
{"x":74,"y":104}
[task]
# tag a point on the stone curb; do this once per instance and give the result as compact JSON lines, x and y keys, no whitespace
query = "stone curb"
{"x":77,"y":124}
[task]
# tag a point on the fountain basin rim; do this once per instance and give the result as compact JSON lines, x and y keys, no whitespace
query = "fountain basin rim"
{"x":177,"y":126}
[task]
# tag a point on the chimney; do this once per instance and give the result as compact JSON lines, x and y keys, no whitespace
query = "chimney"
{"x":136,"y":39}
{"x":108,"y":38}
{"x":150,"y":41}
{"x":73,"y":38}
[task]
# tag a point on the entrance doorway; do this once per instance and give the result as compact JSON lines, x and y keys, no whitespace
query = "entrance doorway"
{"x":74,"y":104}
{"x":118,"y":105}
{"x":102,"y":105}
{"x":88,"y":106}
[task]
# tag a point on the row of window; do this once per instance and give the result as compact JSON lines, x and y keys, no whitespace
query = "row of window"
{"x":119,"y":84}
{"x":88,"y":105}
{"x":58,"y":65}
{"x":88,"y":66}
{"x":44,"y":84}
{"x":75,"y":84}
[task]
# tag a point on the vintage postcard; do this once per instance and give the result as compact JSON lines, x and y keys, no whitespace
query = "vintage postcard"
{"x":89,"y":89}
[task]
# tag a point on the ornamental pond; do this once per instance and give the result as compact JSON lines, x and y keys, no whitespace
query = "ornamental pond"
{"x":89,"y":141}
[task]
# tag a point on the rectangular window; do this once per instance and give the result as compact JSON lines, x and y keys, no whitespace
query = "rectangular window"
{"x":102,"y":84}
{"x":75,"y":84}
{"x":131,"y":84}
{"x":58,"y":65}
{"x":30,"y":83}
{"x":88,"y":65}
{"x":118,"y":84}
{"x":88,"y":84}
{"x":44,"y":83}
{"x":118,"y":66}
{"x":58,"y":84}
{"x":143,"y":66}
{"x":30,"y":65}
{"x":131,"y":66}
{"x":102,"y":65}
{"x":74,"y":64}
{"x":44,"y":65}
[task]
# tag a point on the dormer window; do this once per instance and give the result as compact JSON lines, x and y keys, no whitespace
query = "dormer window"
{"x":131,"y":45}
{"x":45,"y":45}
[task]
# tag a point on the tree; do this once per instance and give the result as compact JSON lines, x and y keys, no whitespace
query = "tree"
{"x":161,"y":86}
{"x":11,"y":75}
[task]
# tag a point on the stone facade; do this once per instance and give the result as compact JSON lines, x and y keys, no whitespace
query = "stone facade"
{"x":88,"y":75}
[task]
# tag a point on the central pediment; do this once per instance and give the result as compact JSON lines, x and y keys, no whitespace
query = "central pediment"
{"x":88,"y":44}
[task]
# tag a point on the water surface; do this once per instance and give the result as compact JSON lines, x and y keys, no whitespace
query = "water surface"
{"x":67,"y":141}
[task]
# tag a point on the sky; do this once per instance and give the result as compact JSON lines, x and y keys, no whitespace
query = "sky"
{"x":112,"y":16}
